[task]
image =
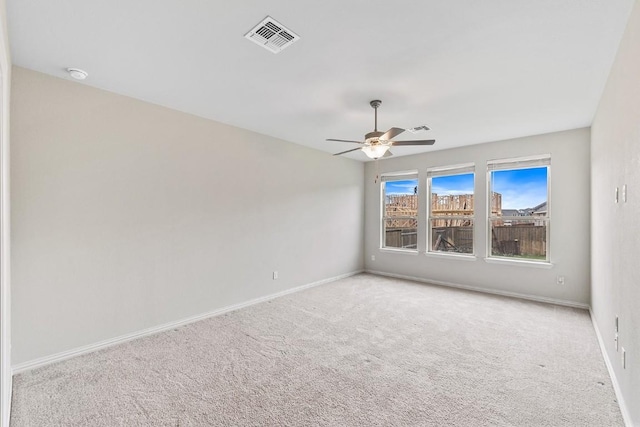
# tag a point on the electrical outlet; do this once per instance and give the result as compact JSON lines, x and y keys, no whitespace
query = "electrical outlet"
{"x":624,"y":359}
{"x":275,"y":275}
{"x":615,"y":339}
{"x":616,"y":195}
{"x":560,"y":280}
{"x":373,"y":257}
{"x":624,"y":193}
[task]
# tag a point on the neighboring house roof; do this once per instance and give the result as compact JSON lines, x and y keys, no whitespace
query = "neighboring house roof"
{"x":536,"y":210}
{"x":540,"y":209}
{"x":511,"y":212}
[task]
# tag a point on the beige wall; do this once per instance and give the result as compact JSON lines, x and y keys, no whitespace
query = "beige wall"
{"x":128,"y":215}
{"x":5,"y":288}
{"x":569,"y":213}
{"x":615,"y":228}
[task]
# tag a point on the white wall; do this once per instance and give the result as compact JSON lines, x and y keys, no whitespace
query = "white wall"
{"x":615,"y":228}
{"x":5,"y":288}
{"x":127,"y":215}
{"x":569,"y":213}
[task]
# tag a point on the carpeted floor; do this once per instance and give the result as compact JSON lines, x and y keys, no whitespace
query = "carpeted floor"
{"x":363,"y":351}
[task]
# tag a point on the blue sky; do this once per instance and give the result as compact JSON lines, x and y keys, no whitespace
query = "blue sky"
{"x":520,"y":188}
{"x":400,"y":187}
{"x":452,"y":184}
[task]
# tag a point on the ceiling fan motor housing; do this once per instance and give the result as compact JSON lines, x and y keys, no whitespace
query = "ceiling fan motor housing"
{"x":373,"y":135}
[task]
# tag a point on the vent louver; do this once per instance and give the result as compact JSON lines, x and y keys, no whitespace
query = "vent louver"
{"x":272,"y":35}
{"x":418,"y":129}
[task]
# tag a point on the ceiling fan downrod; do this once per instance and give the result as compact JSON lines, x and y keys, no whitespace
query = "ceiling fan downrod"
{"x":375,"y":104}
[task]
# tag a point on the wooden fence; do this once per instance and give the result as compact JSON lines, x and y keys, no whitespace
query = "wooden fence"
{"x":401,"y":238}
{"x":515,"y":240}
{"x":520,"y":240}
{"x":452,"y":239}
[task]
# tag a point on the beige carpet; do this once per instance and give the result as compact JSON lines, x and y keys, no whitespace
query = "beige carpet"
{"x":363,"y":351}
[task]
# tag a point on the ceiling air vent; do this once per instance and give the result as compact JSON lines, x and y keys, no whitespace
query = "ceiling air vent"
{"x":272,"y":35}
{"x":418,"y":129}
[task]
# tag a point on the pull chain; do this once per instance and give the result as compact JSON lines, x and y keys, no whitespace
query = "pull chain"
{"x":377,"y":173}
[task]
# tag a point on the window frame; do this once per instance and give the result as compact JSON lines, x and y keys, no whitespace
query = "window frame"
{"x":397,"y":176}
{"x":529,"y":162}
{"x":451,"y":170}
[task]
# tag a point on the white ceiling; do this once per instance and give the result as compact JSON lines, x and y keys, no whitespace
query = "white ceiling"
{"x":474,"y":71}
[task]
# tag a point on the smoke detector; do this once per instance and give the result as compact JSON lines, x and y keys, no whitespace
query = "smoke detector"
{"x":272,"y":35}
{"x":77,"y":73}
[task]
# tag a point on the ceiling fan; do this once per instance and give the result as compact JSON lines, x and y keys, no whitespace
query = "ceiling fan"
{"x":376,"y":144}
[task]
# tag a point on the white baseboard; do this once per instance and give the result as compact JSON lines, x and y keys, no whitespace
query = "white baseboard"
{"x":58,"y":357}
{"x":626,"y":416}
{"x":484,"y":290}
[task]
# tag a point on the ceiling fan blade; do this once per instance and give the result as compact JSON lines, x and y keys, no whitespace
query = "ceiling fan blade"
{"x":391,"y":133}
{"x":345,"y":140}
{"x":416,"y":142}
{"x":348,"y":151}
{"x":387,"y":154}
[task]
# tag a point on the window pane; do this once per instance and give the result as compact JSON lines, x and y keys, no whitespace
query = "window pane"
{"x":451,"y":213}
{"x":519,"y":238}
{"x":401,"y":233}
{"x":400,"y":224}
{"x":520,"y":192}
{"x":452,"y":195}
{"x":452,"y":235}
{"x":401,"y":198}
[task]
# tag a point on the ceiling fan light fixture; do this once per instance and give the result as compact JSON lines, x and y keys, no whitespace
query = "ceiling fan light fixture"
{"x":375,"y":151}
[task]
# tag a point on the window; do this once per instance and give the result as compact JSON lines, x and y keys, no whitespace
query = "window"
{"x":400,"y":210}
{"x":451,"y":192}
{"x":519,"y":208}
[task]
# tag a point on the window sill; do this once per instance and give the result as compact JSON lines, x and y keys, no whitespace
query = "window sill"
{"x":400,"y":251}
{"x":519,"y":262}
{"x":452,"y":256}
